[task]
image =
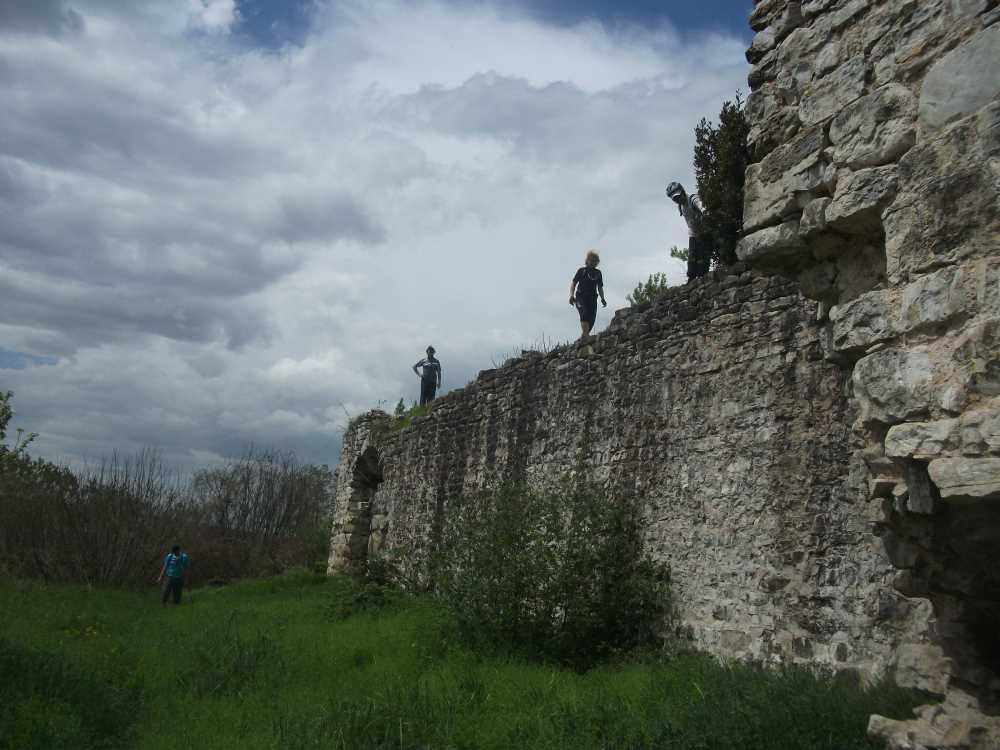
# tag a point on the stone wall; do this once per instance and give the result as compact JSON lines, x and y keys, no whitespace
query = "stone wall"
{"x":714,"y":409}
{"x":815,"y":441}
{"x":876,"y":134}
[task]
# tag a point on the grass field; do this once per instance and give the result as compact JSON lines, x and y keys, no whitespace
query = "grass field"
{"x":303,"y":661}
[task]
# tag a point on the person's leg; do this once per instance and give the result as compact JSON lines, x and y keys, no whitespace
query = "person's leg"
{"x":588,"y":313}
{"x":704,"y":256}
{"x":692,"y":270}
{"x":178,"y":587}
{"x":166,"y":592}
{"x":426,"y":388}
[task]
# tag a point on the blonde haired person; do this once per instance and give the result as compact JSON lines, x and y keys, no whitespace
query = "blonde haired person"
{"x":587,"y":284}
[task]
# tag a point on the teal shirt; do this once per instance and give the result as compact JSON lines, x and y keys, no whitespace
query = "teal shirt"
{"x":176,"y":564}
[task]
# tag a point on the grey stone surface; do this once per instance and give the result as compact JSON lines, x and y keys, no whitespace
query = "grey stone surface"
{"x":827,"y":96}
{"x":921,"y":440}
{"x":907,"y":258}
{"x":771,"y":244}
{"x":753,"y":426}
{"x":697,"y":407}
{"x":948,"y":203}
{"x":876,"y":129}
{"x":966,"y":479}
{"x":894,"y":385}
{"x":776,"y":186}
{"x":963,"y":81}
{"x":861,"y":196}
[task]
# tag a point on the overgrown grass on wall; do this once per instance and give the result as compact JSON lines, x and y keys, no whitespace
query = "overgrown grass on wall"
{"x":303,"y":661}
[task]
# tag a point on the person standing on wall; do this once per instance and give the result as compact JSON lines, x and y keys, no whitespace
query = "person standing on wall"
{"x":175,"y":563}
{"x":430,"y":377}
{"x":587,"y":284}
{"x":699,"y":252}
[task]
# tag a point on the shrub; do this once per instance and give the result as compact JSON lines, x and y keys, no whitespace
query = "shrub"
{"x":721,"y":155}
{"x":109,"y":525}
{"x":643,"y":294}
{"x":560,"y":575}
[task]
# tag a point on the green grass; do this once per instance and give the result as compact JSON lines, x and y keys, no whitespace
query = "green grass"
{"x":303,"y":661}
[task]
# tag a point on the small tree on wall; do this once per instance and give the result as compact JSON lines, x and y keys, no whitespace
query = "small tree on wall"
{"x":721,"y":155}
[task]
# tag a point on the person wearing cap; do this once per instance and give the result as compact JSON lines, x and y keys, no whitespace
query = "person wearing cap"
{"x":430,"y":376}
{"x":689,"y":206}
{"x":583,"y":291}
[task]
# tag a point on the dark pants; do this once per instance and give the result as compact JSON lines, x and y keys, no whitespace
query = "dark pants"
{"x":587,"y":307}
{"x":173,"y":588}
{"x":699,"y":257}
{"x":427,"y":388}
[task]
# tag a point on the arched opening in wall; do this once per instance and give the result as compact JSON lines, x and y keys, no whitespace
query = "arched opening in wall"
{"x":965,"y":590}
{"x":366,"y":477}
{"x":947,"y":555}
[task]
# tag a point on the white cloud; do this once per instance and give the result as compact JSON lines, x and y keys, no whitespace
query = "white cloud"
{"x":224,"y":245}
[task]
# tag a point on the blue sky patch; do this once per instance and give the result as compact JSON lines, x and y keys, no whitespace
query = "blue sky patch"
{"x":11,"y":360}
{"x":274,"y":23}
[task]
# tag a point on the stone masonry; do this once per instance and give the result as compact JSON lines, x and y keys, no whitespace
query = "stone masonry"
{"x":716,"y":410}
{"x":876,"y":183}
{"x":814,"y":435}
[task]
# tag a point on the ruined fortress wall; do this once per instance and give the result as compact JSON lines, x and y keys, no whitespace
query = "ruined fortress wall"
{"x":816,"y":440}
{"x":715,"y":409}
{"x":876,"y":133}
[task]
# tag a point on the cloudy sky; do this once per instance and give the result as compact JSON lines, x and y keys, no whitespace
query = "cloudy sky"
{"x":226,"y":222}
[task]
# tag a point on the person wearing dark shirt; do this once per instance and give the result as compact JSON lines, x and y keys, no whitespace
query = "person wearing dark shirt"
{"x":430,"y":377}
{"x":583,"y":292}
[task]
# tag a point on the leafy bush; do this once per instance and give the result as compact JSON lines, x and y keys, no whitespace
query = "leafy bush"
{"x":557,"y":575}
{"x":721,"y":155}
{"x":110,"y":525}
{"x":353,"y":595}
{"x":645,"y":293}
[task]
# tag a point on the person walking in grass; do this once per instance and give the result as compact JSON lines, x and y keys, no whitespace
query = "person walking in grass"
{"x":587,"y":284}
{"x":430,"y":376}
{"x":175,"y":563}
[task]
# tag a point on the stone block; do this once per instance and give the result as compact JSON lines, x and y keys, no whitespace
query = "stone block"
{"x":813,"y":219}
{"x":845,"y":14}
{"x":963,"y":81}
{"x":771,"y":243}
{"x":939,"y":297}
{"x":893,"y":385}
{"x":876,"y":129}
{"x":864,"y":321}
{"x":830,"y":94}
{"x":921,"y":440}
{"x":960,"y":479}
{"x":775,"y":186}
{"x":977,"y":357}
{"x":860,"y":198}
{"x":923,"y":666}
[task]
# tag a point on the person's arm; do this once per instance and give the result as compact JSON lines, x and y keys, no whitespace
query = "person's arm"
{"x":439,"y":374}
{"x":572,"y":288}
{"x":600,"y":290}
{"x":162,"y":571}
{"x":415,"y":368}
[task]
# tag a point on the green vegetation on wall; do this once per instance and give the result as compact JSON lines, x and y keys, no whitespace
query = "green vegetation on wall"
{"x":721,"y":156}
